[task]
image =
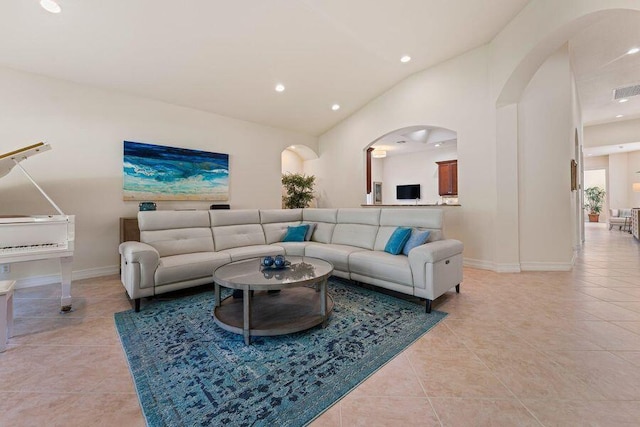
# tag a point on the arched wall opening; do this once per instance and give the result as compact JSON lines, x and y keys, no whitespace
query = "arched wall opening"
{"x":407,"y":157}
{"x":293,"y":160}
{"x":543,"y":192}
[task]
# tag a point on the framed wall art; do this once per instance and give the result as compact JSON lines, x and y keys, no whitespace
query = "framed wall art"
{"x":157,"y":172}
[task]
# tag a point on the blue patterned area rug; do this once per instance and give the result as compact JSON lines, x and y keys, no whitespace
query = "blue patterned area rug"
{"x":190,"y":372}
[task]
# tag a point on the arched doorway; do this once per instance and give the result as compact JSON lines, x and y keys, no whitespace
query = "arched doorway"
{"x":293,"y":159}
{"x":407,"y":157}
{"x":528,"y":201}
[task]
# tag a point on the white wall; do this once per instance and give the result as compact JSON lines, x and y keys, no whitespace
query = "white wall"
{"x":83,"y":172}
{"x":452,"y":95}
{"x":576,"y":145}
{"x":618,"y":181}
{"x":546,"y":140}
{"x":595,"y":178}
{"x":291,"y":162}
{"x":616,"y":133}
{"x":624,"y":171}
{"x":414,"y":168}
{"x":634,"y":177}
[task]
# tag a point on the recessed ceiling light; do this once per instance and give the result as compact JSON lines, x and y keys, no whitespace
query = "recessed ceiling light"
{"x":438,"y":145}
{"x":622,"y":100}
{"x":405,"y":58}
{"x":50,"y":6}
{"x":279,"y":87}
{"x":335,"y":107}
{"x":633,"y":51}
{"x":619,"y":115}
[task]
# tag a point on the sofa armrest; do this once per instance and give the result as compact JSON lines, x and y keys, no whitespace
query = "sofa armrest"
{"x":139,"y":262}
{"x":139,"y":252}
{"x":435,"y":251}
{"x":432,"y":275}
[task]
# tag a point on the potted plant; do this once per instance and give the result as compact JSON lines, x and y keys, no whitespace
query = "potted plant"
{"x":594,"y":198}
{"x":299,"y":188}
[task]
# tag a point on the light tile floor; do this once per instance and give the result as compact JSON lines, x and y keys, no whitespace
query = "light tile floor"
{"x":528,"y":349}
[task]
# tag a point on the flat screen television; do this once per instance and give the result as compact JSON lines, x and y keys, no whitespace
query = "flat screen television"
{"x":411,"y":191}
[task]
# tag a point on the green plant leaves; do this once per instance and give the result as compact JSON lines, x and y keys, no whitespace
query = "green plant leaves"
{"x":299,"y":188}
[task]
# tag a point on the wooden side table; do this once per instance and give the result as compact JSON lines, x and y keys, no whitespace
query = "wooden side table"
{"x":129,"y":230}
{"x":6,"y":312}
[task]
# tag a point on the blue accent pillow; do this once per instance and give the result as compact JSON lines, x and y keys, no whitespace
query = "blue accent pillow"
{"x":417,"y":238}
{"x":296,"y":233}
{"x":397,"y":240}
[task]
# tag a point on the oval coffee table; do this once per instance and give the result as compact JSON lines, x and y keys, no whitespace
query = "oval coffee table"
{"x":302,"y":304}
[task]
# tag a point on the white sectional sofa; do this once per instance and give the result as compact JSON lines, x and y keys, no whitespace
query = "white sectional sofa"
{"x":180,"y":249}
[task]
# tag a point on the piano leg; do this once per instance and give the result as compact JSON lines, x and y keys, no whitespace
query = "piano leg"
{"x":65,"y":273}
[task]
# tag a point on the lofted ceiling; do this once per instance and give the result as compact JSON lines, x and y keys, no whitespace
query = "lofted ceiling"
{"x":601,"y":65}
{"x":416,"y":138}
{"x":226,"y":57}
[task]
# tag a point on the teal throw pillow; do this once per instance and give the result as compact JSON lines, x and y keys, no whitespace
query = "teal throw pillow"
{"x":417,"y":238}
{"x":397,"y":240}
{"x":296,"y":233}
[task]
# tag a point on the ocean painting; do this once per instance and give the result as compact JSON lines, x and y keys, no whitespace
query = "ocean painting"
{"x":156,"y":172}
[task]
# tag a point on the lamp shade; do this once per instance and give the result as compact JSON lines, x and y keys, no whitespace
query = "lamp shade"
{"x":378,"y":154}
{"x":636,"y":187}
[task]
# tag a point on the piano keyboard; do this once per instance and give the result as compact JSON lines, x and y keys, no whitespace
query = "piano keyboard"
{"x":33,"y":248}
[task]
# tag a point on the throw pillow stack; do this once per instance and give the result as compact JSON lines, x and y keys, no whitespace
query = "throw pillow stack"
{"x":404,"y":239}
{"x":299,"y":233}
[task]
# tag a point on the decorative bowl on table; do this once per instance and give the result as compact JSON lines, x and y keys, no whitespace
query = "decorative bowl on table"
{"x":274,"y":263}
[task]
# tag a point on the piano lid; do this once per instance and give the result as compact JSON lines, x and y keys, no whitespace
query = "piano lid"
{"x":13,"y":158}
{"x":8,"y":160}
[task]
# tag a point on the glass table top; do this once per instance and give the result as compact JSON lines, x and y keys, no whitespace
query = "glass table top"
{"x":301,"y":271}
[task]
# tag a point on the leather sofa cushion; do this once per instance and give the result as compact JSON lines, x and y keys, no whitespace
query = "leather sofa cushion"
{"x":176,"y":232}
{"x":234,"y":217}
{"x":293,"y":248}
{"x":414,"y":219}
{"x":360,"y":235}
{"x":254,"y":251}
{"x":359,"y":216}
{"x":236,"y":236}
{"x":180,"y":268}
{"x":274,"y":232}
{"x":268,"y":216}
{"x":338,"y":255}
{"x":381,"y":265}
{"x":178,"y":241}
{"x":166,"y":220}
{"x":325,"y":220}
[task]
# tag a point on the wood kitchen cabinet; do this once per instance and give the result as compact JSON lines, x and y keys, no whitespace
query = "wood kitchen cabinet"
{"x":448,"y":178}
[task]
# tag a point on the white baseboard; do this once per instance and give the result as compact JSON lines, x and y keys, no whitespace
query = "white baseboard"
{"x":519,"y":267}
{"x":508,"y":268}
{"x":492,"y":266}
{"x":546,"y":266}
{"x":89,"y":273}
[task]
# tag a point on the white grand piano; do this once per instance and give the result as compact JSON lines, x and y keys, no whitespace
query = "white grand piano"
{"x":31,"y":238}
